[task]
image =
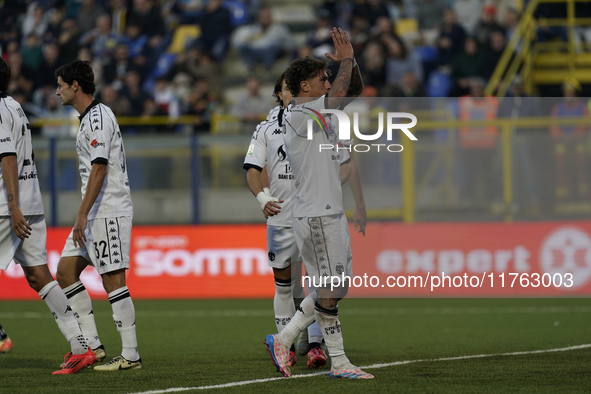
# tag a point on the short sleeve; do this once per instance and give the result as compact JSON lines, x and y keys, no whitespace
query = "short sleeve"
{"x":345,"y":157}
{"x":99,"y":132}
{"x":7,"y":143}
{"x":256,"y":156}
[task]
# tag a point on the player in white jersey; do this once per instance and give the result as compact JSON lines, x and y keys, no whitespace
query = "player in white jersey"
{"x":266,"y":155}
{"x":319,"y":223}
{"x":101,"y":236}
{"x":22,"y":224}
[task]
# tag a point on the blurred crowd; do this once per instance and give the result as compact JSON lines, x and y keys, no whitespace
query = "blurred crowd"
{"x":137,"y":74}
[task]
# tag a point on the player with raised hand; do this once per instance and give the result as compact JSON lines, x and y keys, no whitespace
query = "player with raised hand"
{"x":23,"y":232}
{"x":319,"y":223}
{"x":101,"y":236}
{"x":266,"y":164}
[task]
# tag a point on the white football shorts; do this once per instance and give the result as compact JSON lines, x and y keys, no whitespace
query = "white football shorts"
{"x":325,"y":245}
{"x":108,"y":243}
{"x":281,"y":247}
{"x":29,"y":252}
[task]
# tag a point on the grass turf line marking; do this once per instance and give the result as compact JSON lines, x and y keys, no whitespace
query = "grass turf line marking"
{"x":373,"y":366}
{"x":347,"y":312}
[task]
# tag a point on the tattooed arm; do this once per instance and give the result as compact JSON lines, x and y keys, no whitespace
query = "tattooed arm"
{"x":356,"y":86}
{"x":10,"y":176}
{"x":343,"y":55}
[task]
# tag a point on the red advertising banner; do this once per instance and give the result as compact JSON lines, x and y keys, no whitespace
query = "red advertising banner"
{"x":392,"y":260}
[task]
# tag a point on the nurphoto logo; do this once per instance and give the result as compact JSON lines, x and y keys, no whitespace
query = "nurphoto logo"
{"x":344,"y":130}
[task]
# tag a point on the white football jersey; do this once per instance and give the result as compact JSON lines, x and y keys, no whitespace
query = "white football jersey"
{"x":99,"y":141}
{"x":267,"y":148}
{"x":317,"y":180}
{"x":15,"y":140}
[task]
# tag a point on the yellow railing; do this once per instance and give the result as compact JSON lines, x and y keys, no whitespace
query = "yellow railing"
{"x":522,"y":49}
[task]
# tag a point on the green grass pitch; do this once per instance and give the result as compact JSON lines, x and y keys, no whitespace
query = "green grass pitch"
{"x":204,"y":343}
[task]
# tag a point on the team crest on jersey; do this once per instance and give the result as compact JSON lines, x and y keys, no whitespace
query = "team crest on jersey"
{"x":340,"y":269}
{"x":281,"y":153}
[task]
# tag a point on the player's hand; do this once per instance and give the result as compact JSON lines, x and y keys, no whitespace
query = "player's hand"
{"x":78,"y":233}
{"x":19,"y":224}
{"x":342,"y":45}
{"x":271,"y":208}
{"x":360,"y":220}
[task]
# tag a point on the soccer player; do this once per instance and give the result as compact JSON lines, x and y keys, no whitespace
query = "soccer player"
{"x":319,"y":223}
{"x":267,"y":152}
{"x":22,"y":225}
{"x":5,"y":341}
{"x":101,"y":236}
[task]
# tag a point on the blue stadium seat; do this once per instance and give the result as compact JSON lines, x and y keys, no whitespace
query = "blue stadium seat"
{"x":439,"y":84}
{"x":426,"y":54}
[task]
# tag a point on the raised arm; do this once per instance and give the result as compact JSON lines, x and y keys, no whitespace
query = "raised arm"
{"x":343,"y":55}
{"x":356,"y":85}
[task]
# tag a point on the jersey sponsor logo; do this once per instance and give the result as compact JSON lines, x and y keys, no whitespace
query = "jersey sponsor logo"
{"x":281,"y":153}
{"x":26,"y":176}
{"x":277,"y":132}
{"x":327,"y":206}
{"x":7,"y":139}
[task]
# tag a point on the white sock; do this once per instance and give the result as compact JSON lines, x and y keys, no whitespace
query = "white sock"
{"x":314,"y":333}
{"x":82,"y":308}
{"x":328,"y":320}
{"x":57,"y":302}
{"x":283,"y":303}
{"x":303,"y":317}
{"x":124,"y":318}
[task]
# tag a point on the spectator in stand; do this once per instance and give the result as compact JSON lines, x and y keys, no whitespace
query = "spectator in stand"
{"x":399,"y":62}
{"x":479,"y":143}
{"x":34,"y":22}
{"x":358,"y":36}
{"x":132,"y":91}
{"x":22,"y":77}
{"x":201,"y":104}
{"x":411,"y":87}
{"x":134,"y":39}
{"x":511,"y":23}
{"x":468,"y":14}
{"x":47,"y":67}
{"x":88,"y":16}
{"x":163,"y":94}
{"x":382,"y":29}
{"x":319,"y":38}
{"x":371,"y":10}
{"x":150,"y":109}
{"x":263,"y":41}
{"x":486,"y":26}
{"x":570,"y":144}
{"x":32,"y":111}
{"x":10,"y":28}
{"x":373,"y":65}
{"x":198,"y":64}
{"x":97,"y":66}
{"x":68,"y":40}
{"x":251,"y":107}
{"x":429,"y":14}
{"x":54,"y":22}
{"x":451,"y":39}
{"x":493,"y":54}
{"x":341,"y":12}
{"x":53,"y":109}
{"x":116,"y":68}
{"x":147,"y":15}
{"x":467,"y":64}
{"x":216,"y":25}
{"x":113,"y":100}
{"x":101,"y":40}
{"x":32,"y":53}
{"x":119,"y":11}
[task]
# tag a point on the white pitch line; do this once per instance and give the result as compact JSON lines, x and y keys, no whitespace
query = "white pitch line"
{"x":345,"y":312}
{"x":373,"y":366}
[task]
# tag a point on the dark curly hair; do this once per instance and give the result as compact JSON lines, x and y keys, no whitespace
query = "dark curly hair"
{"x":80,"y":71}
{"x":4,"y":75}
{"x":303,"y":69}
{"x":277,"y":88}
